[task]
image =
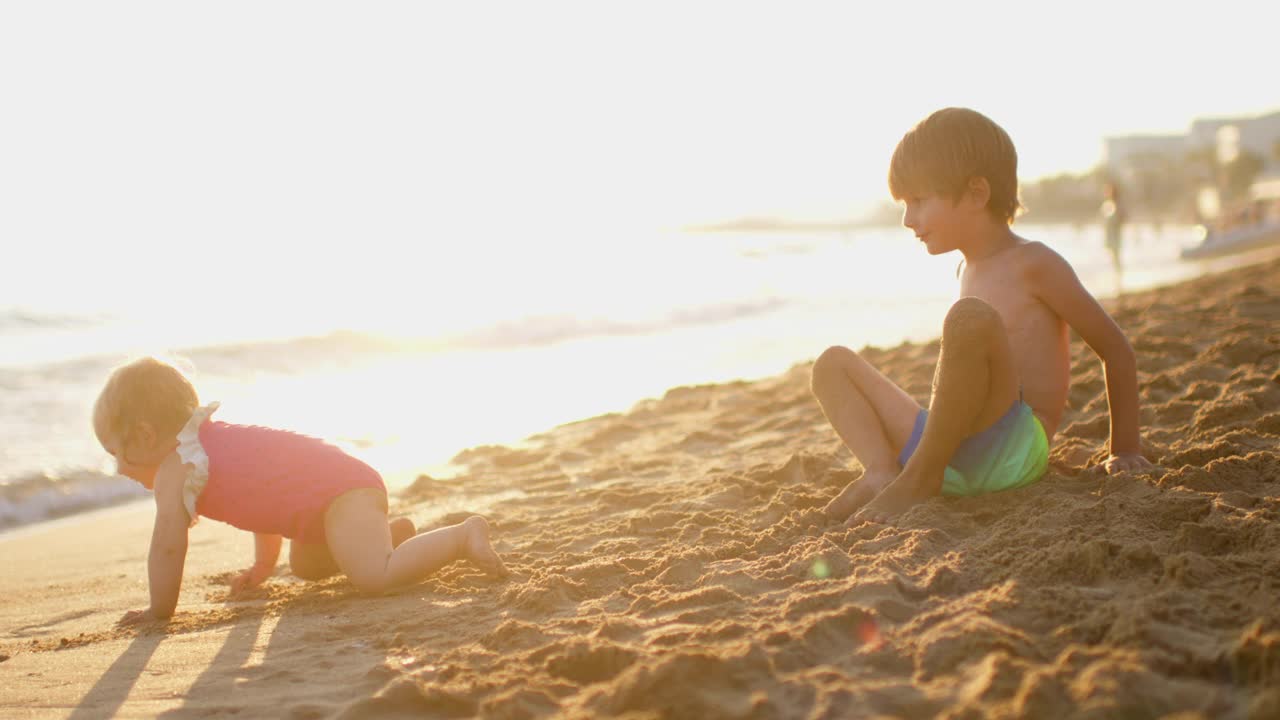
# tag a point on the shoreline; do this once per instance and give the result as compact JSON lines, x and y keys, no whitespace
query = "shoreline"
{"x":751,"y":346}
{"x":67,"y":522}
{"x":670,"y":559}
{"x":404,"y":465}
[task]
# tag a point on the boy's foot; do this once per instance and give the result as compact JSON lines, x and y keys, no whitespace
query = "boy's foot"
{"x":402,"y":529}
{"x":900,"y":495}
{"x":477,"y":548}
{"x":855,"y":495}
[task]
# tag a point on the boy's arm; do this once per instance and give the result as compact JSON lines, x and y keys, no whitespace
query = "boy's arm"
{"x":168,"y":553}
{"x":266,"y":551}
{"x":1058,"y":287}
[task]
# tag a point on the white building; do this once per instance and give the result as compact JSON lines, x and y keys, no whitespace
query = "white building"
{"x":1259,"y":135}
{"x":1226,"y":137}
{"x":1126,"y":155}
{"x":1204,"y":132}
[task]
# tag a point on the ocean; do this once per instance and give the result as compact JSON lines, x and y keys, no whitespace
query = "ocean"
{"x":489,"y":350}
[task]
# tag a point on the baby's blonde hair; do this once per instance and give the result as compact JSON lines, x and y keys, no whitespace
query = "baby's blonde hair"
{"x":147,"y":389}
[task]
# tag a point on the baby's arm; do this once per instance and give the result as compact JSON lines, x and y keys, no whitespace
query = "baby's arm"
{"x":266,"y":551}
{"x":1057,"y":285}
{"x":168,"y":552}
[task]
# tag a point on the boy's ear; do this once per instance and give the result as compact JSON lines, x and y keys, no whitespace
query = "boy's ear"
{"x":978,"y":192}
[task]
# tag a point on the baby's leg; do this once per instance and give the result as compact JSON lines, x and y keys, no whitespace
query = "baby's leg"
{"x":313,"y":561}
{"x":976,"y":382}
{"x":356,"y":529}
{"x":872,"y":416}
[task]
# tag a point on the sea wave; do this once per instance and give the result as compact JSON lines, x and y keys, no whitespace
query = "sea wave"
{"x":39,"y":497}
{"x":55,"y":397}
{"x":24,"y":319}
{"x":303,"y":353}
{"x":507,"y":334}
{"x":548,"y":329}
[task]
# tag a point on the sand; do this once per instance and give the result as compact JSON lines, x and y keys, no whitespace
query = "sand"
{"x":671,"y":562}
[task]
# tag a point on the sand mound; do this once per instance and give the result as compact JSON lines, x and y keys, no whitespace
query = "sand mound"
{"x":672,"y":560}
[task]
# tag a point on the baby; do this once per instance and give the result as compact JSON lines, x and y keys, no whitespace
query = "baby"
{"x":273,"y":483}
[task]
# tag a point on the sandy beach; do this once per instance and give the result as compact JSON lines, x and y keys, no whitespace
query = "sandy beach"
{"x":671,"y":561}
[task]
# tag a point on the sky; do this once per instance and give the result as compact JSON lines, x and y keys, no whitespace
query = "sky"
{"x":256,"y":134}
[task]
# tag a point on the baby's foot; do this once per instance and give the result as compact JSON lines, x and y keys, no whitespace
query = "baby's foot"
{"x":855,"y":495}
{"x":477,"y":548}
{"x":900,"y":495}
{"x":401,"y":529}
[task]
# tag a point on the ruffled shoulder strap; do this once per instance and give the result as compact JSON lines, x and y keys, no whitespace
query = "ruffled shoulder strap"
{"x":195,"y":458}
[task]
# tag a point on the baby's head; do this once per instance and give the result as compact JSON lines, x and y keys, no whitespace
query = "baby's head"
{"x":140,"y":411}
{"x":949,"y":150}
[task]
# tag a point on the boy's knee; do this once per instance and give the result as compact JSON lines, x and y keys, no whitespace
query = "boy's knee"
{"x":830,"y":362}
{"x":969,"y":318}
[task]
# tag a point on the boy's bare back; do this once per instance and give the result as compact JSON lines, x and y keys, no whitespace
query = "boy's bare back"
{"x":1038,"y":336}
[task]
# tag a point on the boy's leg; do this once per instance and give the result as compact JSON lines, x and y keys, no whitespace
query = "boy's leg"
{"x":313,"y":561}
{"x":975,"y":384}
{"x":356,"y":530}
{"x":872,"y":416}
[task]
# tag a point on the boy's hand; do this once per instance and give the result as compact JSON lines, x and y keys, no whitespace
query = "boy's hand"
{"x":137,"y":617}
{"x":1126,"y":462}
{"x":250,"y":578}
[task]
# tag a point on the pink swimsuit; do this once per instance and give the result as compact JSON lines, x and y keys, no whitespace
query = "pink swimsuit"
{"x":274,"y":481}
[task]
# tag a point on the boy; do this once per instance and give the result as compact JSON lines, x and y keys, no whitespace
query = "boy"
{"x":1003,"y":370}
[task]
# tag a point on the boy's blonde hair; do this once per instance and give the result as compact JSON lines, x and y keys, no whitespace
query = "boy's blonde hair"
{"x":946,"y":150}
{"x":147,"y":389}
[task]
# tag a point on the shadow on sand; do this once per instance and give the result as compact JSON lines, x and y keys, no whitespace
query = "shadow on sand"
{"x":112,"y":689}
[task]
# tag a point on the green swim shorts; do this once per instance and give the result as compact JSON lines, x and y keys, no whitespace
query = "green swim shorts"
{"x":1013,"y":452}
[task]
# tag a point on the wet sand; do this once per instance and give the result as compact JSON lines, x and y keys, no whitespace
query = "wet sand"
{"x":671,"y":561}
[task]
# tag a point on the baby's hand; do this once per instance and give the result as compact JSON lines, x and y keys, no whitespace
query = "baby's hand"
{"x":1127,"y":462}
{"x":250,"y":579}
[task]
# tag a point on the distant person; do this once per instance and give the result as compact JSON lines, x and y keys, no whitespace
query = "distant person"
{"x":273,"y":483}
{"x":1004,"y":367}
{"x":1113,"y":219}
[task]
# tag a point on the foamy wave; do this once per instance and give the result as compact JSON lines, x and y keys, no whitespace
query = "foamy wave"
{"x":19,"y":318}
{"x":308,"y":352}
{"x":36,"y":498}
{"x":547,"y":329}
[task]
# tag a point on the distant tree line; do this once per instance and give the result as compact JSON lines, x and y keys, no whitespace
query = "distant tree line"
{"x":1158,"y":187}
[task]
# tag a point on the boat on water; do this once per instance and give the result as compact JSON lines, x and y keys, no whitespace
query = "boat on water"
{"x":1215,"y":243}
{"x":1251,"y":225}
